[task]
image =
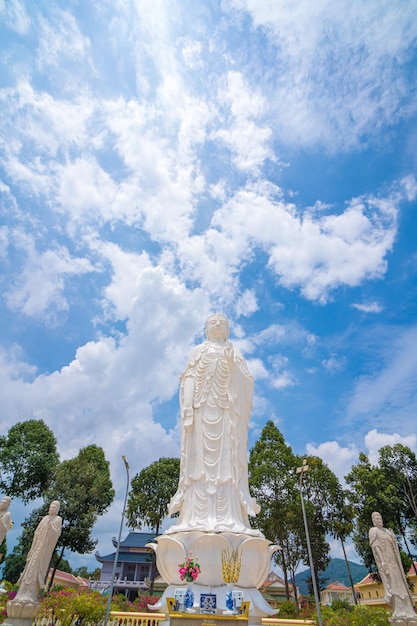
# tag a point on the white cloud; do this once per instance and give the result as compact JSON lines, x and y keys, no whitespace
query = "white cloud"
{"x":60,"y":39}
{"x":368,"y":307}
{"x":314,"y":253}
{"x":16,"y":16}
{"x":247,"y":140}
{"x":38,"y":290}
{"x":342,"y":71}
{"x":375,"y":440}
{"x":339,"y":458}
{"x":334,"y":363}
{"x":247,"y":303}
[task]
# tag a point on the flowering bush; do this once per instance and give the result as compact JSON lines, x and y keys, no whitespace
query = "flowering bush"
{"x":68,"y":605}
{"x":189,"y":570}
{"x":5,"y":597}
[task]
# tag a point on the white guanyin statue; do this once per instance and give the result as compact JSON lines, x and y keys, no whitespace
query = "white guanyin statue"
{"x":5,"y":517}
{"x":213,"y":501}
{"x":387,"y":557}
{"x":216,"y":392}
{"x":32,"y":580}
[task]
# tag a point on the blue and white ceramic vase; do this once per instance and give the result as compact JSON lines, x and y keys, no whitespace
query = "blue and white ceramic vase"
{"x":189,"y":596}
{"x":229,"y":597}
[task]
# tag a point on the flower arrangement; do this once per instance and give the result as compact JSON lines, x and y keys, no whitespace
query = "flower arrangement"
{"x":190,"y":569}
{"x":231,"y":562}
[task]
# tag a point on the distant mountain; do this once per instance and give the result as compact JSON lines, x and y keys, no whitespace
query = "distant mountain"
{"x":335,"y":571}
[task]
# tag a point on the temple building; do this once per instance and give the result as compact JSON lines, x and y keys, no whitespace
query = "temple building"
{"x":134,"y":566}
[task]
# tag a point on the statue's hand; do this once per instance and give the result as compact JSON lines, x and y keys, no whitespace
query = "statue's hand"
{"x":188,"y":415}
{"x":229,"y":353}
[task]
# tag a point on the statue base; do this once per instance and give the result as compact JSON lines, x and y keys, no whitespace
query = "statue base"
{"x":17,"y":621}
{"x":403,"y":621}
{"x":21,"y":609}
{"x":258,"y":605}
{"x":255,"y":552}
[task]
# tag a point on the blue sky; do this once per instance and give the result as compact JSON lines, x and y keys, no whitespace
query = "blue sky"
{"x":163,"y":160}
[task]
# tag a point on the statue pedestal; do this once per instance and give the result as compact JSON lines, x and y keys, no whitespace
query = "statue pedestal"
{"x":17,"y":621}
{"x":403,"y":621}
{"x":205,"y":619}
{"x":256,"y":552}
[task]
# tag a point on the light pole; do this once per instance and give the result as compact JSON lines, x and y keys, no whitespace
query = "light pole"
{"x":106,"y":619}
{"x":301,"y":470}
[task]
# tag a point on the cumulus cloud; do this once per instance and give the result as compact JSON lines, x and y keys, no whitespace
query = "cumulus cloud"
{"x":339,"y":458}
{"x":314,"y":253}
{"x":375,"y":440}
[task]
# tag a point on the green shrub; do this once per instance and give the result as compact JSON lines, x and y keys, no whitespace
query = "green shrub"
{"x":288,"y":609}
{"x":360,"y":616}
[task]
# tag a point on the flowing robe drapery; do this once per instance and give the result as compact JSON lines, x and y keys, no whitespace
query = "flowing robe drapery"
{"x":213,"y":492}
{"x":387,"y":557}
{"x":32,"y":579}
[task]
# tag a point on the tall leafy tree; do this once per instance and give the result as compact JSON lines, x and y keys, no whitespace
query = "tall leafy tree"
{"x":380,"y":488}
{"x":399,"y":462}
{"x":151,"y":492}
{"x":28,"y":459}
{"x":322,"y":492}
{"x":149,"y":497}
{"x":84,"y":489}
{"x":273,"y":483}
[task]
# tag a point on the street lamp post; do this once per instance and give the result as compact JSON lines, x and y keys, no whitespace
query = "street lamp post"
{"x":106,"y":619}
{"x":301,"y":470}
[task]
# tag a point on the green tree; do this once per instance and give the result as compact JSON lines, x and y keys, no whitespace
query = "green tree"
{"x":273,"y":483}
{"x":151,"y":492}
{"x":84,"y":489}
{"x":388,"y":488}
{"x":28,"y":458}
{"x":84,"y":572}
{"x":149,"y":496}
{"x":321,"y":492}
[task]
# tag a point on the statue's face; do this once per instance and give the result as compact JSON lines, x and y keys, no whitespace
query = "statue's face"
{"x":217,"y":327}
{"x":377,"y":519}
{"x":53,"y":508}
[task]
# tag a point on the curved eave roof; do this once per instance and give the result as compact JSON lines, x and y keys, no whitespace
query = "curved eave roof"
{"x":124,"y":557}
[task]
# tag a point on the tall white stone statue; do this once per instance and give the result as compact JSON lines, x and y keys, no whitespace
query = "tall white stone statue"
{"x":387,"y":557}
{"x":213,"y":501}
{"x":26,"y":602}
{"x":5,"y":517}
{"x":216,"y":392}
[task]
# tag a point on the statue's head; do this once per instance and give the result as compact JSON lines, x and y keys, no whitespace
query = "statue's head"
{"x":377,"y":519}
{"x":54,"y":507}
{"x":5,"y":503}
{"x":217,"y":327}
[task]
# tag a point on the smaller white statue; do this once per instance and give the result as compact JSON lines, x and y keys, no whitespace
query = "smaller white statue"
{"x":5,"y":517}
{"x":33,"y":577}
{"x":387,"y":557}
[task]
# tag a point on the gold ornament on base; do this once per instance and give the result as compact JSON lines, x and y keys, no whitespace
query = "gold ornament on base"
{"x":231,"y":562}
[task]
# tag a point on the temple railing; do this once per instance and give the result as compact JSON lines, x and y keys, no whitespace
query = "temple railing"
{"x":125,"y":618}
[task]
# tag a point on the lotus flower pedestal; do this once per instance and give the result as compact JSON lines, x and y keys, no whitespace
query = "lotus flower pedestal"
{"x":256,"y":552}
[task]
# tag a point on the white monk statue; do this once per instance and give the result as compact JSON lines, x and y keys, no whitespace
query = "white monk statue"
{"x":33,"y":577}
{"x":213,"y":499}
{"x":216,"y":392}
{"x":5,"y":517}
{"x":387,"y":557}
